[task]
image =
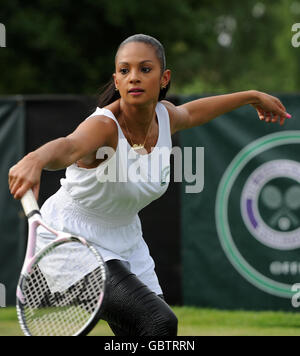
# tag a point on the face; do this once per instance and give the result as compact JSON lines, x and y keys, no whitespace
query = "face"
{"x":138,"y":74}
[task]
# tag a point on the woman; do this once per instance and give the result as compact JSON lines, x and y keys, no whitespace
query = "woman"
{"x":132,"y":110}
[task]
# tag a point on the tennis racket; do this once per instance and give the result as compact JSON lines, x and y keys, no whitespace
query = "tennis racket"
{"x":62,"y":286}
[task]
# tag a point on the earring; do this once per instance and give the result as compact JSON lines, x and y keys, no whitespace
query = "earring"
{"x":116,"y":89}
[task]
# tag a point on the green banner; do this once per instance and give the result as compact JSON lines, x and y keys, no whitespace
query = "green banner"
{"x":11,"y":220}
{"x":241,"y":234}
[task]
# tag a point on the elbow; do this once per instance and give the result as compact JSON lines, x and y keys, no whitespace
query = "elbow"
{"x":65,"y":154}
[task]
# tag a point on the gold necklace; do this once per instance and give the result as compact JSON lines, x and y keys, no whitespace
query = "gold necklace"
{"x":136,"y":146}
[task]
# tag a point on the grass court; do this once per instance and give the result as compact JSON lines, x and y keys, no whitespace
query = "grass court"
{"x":198,"y":322}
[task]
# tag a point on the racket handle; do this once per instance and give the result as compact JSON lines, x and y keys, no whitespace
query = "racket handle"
{"x":30,"y":204}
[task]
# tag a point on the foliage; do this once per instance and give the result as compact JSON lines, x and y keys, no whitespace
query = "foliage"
{"x":212,"y":46}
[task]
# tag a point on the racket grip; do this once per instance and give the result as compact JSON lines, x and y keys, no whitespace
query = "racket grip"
{"x":30,"y":204}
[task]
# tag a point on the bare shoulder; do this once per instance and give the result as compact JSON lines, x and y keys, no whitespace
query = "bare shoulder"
{"x":103,"y":122}
{"x":178,"y":116}
{"x":96,"y":131}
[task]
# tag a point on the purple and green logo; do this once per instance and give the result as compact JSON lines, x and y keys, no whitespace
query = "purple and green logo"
{"x":258,"y":212}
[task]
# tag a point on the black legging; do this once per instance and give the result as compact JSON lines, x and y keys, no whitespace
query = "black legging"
{"x":132,"y":309}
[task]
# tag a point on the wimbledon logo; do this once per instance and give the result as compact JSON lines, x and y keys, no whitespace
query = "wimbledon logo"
{"x":270,"y":204}
{"x":258,"y":212}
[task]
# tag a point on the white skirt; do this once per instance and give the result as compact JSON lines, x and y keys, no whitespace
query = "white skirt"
{"x":113,"y":239}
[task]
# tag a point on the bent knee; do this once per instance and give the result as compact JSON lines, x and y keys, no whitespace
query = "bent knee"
{"x":164,"y":325}
{"x":171,"y":325}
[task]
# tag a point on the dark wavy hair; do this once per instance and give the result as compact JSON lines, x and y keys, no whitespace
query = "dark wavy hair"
{"x":109,"y":94}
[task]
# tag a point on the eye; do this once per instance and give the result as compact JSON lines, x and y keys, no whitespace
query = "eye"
{"x":146,"y":69}
{"x":123,"y":70}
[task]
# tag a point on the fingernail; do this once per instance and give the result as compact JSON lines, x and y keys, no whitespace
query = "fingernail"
{"x":288,"y":116}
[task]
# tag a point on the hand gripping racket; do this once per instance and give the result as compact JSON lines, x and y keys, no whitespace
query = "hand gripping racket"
{"x":62,"y":286}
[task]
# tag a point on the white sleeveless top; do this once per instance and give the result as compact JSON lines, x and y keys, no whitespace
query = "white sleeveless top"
{"x":102,"y":204}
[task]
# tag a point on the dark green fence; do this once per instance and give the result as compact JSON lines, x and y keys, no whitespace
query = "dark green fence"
{"x":241,"y":234}
{"x":11,"y":217}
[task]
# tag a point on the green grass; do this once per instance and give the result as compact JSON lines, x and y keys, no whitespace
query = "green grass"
{"x":199,"y":322}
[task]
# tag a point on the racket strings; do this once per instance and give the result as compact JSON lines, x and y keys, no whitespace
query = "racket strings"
{"x":61,"y":313}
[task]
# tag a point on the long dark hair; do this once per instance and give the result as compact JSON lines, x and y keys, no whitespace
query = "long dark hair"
{"x":109,"y":94}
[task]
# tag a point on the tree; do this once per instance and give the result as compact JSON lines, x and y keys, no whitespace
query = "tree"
{"x":212,"y":46}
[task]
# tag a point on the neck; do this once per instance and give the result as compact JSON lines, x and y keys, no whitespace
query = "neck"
{"x":138,"y":118}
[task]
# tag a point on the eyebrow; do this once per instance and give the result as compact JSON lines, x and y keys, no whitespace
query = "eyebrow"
{"x":142,"y":62}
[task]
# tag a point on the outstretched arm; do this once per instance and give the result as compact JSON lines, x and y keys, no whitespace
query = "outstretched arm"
{"x":201,"y":111}
{"x":58,"y":154}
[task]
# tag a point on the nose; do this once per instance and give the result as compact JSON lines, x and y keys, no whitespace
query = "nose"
{"x":134,"y":77}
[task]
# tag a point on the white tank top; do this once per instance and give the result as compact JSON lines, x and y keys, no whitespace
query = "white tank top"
{"x":106,"y":212}
{"x":119,"y":188}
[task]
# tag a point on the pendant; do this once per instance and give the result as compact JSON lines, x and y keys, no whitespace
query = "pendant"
{"x":137,"y":147}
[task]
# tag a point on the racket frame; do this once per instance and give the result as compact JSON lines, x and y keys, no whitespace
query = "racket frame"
{"x":33,"y":214}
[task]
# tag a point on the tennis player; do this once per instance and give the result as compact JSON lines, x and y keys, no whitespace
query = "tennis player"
{"x":132,"y":109}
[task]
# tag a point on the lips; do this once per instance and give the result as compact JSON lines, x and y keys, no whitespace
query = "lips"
{"x":135,"y":90}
